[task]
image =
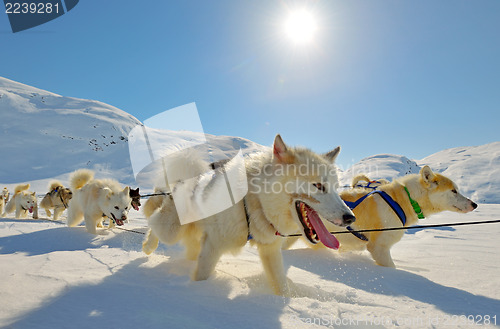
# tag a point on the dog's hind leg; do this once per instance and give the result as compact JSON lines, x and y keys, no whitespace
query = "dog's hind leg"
{"x":207,"y":259}
{"x":191,"y":240}
{"x":272,"y":261}
{"x":381,"y":254}
{"x":75,"y":215}
{"x":150,"y":242}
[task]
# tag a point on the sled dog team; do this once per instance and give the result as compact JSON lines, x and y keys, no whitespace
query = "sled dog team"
{"x":309,"y":204}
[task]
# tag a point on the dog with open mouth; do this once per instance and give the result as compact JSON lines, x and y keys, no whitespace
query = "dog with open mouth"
{"x":136,"y":198}
{"x":290,"y":190}
{"x":93,"y":198}
{"x":23,"y":202}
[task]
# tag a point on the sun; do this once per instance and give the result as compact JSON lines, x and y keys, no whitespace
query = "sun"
{"x":300,"y":26}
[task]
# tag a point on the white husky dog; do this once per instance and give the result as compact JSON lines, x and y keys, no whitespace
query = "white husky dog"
{"x":4,"y":198}
{"x":288,"y":190}
{"x":23,"y":201}
{"x":93,"y":198}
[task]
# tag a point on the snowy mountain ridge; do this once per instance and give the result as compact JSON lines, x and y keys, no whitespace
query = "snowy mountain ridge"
{"x":50,"y":136}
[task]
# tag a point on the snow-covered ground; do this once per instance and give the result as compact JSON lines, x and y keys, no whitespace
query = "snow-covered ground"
{"x":52,"y":276}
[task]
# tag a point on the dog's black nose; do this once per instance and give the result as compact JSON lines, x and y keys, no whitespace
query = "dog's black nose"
{"x":348,"y":219}
{"x":474,"y":205}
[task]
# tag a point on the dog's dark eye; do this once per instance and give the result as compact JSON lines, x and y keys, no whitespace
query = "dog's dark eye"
{"x":320,"y":187}
{"x":454,"y":191}
{"x":116,"y":207}
{"x":126,"y":208}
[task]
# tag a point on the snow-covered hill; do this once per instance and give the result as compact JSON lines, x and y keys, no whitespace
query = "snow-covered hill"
{"x":380,"y":166}
{"x":46,"y":135}
{"x":475,"y":169}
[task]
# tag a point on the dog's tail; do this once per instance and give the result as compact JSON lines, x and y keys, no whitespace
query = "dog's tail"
{"x":359,"y":178}
{"x":80,"y":177}
{"x":20,"y":188}
{"x":53,"y":185}
{"x":184,"y":165}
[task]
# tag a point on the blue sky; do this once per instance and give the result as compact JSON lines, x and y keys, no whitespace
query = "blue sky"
{"x":392,"y":76}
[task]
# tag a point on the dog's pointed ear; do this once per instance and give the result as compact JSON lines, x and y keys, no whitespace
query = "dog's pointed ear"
{"x":427,"y":175}
{"x":280,"y":150}
{"x":34,"y":193}
{"x":108,"y":192}
{"x":333,"y":154}
{"x":126,"y":190}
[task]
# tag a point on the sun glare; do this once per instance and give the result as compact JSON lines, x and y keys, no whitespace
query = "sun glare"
{"x":300,"y":26}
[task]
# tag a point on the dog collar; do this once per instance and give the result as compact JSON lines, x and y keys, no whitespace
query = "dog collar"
{"x":415,"y":205}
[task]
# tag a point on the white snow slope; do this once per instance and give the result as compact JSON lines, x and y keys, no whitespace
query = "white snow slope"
{"x":52,"y":276}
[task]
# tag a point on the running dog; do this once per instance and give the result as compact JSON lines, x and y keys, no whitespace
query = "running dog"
{"x":23,"y":201}
{"x":93,"y":198}
{"x":4,"y":198}
{"x":136,"y":198}
{"x":57,"y":198}
{"x":289,"y":189}
{"x":418,"y":195}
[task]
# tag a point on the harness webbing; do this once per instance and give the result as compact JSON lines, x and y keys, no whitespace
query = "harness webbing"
{"x":248,"y":219}
{"x":387,"y":198}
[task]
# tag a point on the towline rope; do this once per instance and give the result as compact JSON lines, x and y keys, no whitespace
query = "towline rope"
{"x":410,"y":227}
{"x":378,"y":229}
{"x":415,"y":227}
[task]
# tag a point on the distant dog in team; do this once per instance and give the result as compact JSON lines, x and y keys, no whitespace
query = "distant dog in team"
{"x":281,"y":199}
{"x":364,"y":182}
{"x":432,"y":192}
{"x":23,"y":201}
{"x":4,"y":198}
{"x":57,"y":199}
{"x":94,"y":198}
{"x":136,"y":198}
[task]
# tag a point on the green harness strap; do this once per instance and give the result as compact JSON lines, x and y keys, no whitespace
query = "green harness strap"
{"x":415,"y":205}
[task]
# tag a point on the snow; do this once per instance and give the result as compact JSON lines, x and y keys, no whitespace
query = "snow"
{"x":52,"y":276}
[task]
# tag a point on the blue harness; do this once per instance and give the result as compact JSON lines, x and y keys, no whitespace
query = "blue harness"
{"x":387,"y":198}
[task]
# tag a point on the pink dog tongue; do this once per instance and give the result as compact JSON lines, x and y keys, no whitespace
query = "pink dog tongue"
{"x":324,"y":236}
{"x":30,"y":210}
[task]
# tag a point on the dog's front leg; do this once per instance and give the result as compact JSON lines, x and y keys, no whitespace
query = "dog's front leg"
{"x":35,"y":211}
{"x":150,"y":242}
{"x":381,"y":254}
{"x":91,"y":222}
{"x":272,"y":261}
{"x":57,"y":212}
{"x":20,"y":213}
